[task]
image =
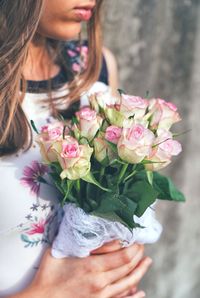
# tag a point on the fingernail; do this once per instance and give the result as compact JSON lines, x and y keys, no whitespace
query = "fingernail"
{"x":123,"y":243}
{"x":149,"y":261}
{"x":142,"y":295}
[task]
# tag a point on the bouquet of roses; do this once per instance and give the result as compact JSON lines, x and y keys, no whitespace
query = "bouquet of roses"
{"x":104,"y":162}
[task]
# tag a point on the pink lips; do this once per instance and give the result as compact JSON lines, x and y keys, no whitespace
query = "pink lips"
{"x":83,"y":14}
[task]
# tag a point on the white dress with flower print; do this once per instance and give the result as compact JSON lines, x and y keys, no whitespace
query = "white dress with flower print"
{"x":29,"y":209}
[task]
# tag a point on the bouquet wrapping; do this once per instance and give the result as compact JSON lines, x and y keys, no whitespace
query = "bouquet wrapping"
{"x":104,"y":162}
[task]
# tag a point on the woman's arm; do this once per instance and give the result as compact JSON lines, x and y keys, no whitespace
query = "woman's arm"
{"x":97,"y":276}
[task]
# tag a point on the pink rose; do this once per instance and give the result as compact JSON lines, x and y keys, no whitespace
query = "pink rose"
{"x":133,"y":106}
{"x":103,"y":100}
{"x":102,"y":151}
{"x":73,"y":158}
{"x":163,"y":114}
{"x":113,"y":133}
{"x":164,"y":148}
{"x":70,"y":150}
{"x":50,"y":134}
{"x":89,"y":122}
{"x":135,"y":143}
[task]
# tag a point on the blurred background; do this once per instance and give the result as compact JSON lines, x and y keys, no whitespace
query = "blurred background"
{"x":157,"y":46}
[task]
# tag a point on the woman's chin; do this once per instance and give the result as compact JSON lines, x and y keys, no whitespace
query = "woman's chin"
{"x":64,"y":32}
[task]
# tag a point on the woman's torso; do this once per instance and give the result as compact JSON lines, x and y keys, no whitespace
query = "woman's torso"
{"x":29,"y":209}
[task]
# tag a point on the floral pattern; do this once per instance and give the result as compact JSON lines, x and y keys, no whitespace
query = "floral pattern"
{"x":41,"y":222}
{"x":78,"y":56}
{"x":33,"y":176}
{"x":41,"y":225}
{"x":37,"y":228}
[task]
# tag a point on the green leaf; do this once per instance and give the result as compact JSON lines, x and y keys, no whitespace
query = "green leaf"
{"x":146,"y":162}
{"x":105,"y":161}
{"x":109,"y":202}
{"x":91,"y":179}
{"x":121,"y":91}
{"x":57,"y":182}
{"x":55,"y":166}
{"x":113,"y":204}
{"x":114,"y":117}
{"x":83,"y":141}
{"x":34,"y":127}
{"x":74,"y":120}
{"x":112,"y":216}
{"x":91,"y":191}
{"x":42,"y":180}
{"x":166,"y":188}
{"x":142,"y":193}
{"x":131,"y":205}
{"x":112,"y":146}
{"x":150,"y":177}
{"x":67,"y":187}
{"x":64,"y":130}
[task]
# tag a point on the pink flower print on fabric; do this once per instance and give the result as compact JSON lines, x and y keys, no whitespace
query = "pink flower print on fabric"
{"x":76,"y":67}
{"x":72,"y":53}
{"x":82,"y":58}
{"x":37,"y":228}
{"x":33,"y":176}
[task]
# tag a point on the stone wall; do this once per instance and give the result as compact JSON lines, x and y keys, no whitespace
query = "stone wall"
{"x":157,"y":46}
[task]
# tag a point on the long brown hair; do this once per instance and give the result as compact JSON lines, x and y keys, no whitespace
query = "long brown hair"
{"x":18,"y":25}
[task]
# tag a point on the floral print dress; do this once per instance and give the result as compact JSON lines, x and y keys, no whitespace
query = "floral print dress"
{"x":29,"y":205}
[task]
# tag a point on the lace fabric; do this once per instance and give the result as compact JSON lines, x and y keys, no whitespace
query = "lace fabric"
{"x":80,"y":233}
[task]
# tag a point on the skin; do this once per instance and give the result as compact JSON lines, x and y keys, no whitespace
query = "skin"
{"x":58,"y":21}
{"x":111,"y":271}
{"x":108,"y":275}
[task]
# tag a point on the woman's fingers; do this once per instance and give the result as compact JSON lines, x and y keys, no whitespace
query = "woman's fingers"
{"x":119,"y":273}
{"x":124,"y":294}
{"x":129,"y":281}
{"x":140,"y":294}
{"x":133,"y":290}
{"x":127,"y":293}
{"x":115,"y":259}
{"x":108,"y":247}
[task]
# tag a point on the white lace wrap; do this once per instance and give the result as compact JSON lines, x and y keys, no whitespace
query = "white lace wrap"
{"x":80,"y":233}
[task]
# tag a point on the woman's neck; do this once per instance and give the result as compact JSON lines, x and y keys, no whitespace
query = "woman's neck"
{"x":39,"y":65}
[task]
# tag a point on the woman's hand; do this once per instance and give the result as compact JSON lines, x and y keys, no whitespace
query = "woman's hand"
{"x":114,"y":246}
{"x":97,"y":276}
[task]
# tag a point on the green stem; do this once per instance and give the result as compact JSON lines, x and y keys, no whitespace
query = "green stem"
{"x":102,"y":171}
{"x":122,"y":172}
{"x":78,"y":189}
{"x":78,"y":185}
{"x":131,"y":174}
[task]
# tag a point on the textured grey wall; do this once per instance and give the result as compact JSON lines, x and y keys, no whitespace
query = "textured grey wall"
{"x":157,"y":45}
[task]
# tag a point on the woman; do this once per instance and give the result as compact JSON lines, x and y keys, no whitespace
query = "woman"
{"x":41,"y":77}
